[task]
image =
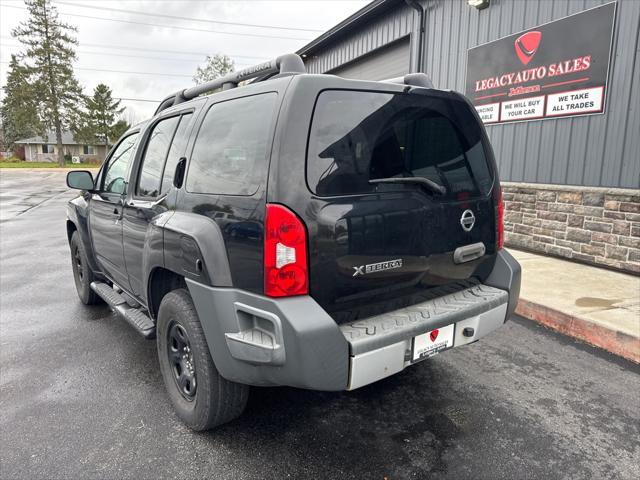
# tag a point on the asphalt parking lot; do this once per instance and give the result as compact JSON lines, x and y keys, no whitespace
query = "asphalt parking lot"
{"x":82,"y":396}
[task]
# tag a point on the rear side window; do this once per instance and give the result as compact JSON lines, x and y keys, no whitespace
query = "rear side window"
{"x":359,"y":136}
{"x":178,"y":146}
{"x":155,"y":156}
{"x":230,"y":152}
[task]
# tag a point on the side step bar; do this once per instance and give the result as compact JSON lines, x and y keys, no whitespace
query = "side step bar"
{"x":134,"y":316}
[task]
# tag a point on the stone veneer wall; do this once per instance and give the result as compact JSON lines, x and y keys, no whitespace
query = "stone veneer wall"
{"x":600,"y":226}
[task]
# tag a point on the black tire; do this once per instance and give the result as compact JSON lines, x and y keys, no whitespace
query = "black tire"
{"x":82,"y":273}
{"x":214,"y":400}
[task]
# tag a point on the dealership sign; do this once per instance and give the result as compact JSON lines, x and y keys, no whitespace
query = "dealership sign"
{"x":554,"y":70}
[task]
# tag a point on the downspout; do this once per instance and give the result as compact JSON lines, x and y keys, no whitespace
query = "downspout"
{"x":417,"y":37}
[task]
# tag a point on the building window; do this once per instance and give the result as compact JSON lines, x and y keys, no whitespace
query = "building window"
{"x":88,"y":150}
{"x":47,"y":149}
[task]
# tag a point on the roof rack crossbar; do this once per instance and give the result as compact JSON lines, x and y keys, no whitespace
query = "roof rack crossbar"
{"x":418,"y":79}
{"x":289,"y":63}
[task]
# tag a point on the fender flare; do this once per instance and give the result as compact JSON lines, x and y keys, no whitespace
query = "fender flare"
{"x":194,"y":247}
{"x":77,"y":216}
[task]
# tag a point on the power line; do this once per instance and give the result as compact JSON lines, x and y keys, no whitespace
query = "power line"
{"x":126,"y":47}
{"x":171,"y":51}
{"x":227,"y":1}
{"x":148,"y":58}
{"x":191,"y":29}
{"x":136,"y":100}
{"x":85,"y":52}
{"x":191,"y":19}
{"x":127,"y":71}
{"x":134,"y":73}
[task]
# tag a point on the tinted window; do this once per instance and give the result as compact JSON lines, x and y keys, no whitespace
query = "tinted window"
{"x":114,"y":174}
{"x":230,"y":152}
{"x":154,"y":157}
{"x":176,"y":151}
{"x":359,"y":136}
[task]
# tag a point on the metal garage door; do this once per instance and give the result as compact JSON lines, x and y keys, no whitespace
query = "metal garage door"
{"x":386,"y":62}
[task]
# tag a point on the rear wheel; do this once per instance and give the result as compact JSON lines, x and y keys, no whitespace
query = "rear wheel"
{"x":82,"y":273}
{"x":201,"y":397}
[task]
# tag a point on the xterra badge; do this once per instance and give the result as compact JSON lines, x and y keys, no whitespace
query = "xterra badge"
{"x":377,"y":267}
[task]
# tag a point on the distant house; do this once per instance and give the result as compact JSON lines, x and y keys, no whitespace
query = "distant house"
{"x":39,"y":149}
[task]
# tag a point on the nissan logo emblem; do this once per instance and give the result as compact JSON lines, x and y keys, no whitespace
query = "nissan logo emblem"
{"x":468,"y":220}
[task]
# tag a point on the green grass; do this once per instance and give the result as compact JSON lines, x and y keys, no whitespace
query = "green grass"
{"x":78,"y":166}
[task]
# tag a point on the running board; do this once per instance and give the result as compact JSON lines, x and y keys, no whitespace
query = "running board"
{"x":136,"y":317}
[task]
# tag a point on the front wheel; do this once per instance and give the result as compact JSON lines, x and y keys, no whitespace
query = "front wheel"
{"x":82,"y":273}
{"x":201,"y":397}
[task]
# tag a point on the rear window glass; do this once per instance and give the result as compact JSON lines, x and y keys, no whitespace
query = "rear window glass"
{"x":155,"y":157}
{"x":178,"y":144}
{"x":360,"y":136}
{"x":230,"y":151}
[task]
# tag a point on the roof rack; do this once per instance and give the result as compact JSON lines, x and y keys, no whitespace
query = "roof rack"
{"x":287,"y":64}
{"x":414,"y":79}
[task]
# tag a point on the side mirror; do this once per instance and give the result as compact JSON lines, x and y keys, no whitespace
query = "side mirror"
{"x":80,"y":180}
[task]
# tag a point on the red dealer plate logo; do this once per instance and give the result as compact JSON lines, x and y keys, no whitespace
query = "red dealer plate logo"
{"x":526,"y":46}
{"x":433,"y":335}
{"x":433,"y":342}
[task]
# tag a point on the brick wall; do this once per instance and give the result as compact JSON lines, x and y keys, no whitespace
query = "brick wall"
{"x":600,"y":226}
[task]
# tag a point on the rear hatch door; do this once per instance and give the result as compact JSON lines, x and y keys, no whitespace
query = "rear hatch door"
{"x":403,"y":200}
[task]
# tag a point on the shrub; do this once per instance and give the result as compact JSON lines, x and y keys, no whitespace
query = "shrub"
{"x":12,"y":159}
{"x":92,"y":160}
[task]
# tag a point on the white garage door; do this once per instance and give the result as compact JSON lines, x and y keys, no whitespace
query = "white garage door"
{"x":386,"y":62}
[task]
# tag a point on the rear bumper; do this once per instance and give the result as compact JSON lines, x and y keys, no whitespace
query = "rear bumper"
{"x":373,"y":365}
{"x":258,"y":340}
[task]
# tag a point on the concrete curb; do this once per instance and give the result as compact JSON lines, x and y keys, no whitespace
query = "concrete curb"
{"x":615,"y":342}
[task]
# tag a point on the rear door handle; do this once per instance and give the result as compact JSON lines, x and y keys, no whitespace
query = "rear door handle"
{"x":469,"y":252}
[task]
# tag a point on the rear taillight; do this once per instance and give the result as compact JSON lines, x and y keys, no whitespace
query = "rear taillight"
{"x":285,"y":253}
{"x":497,"y":195}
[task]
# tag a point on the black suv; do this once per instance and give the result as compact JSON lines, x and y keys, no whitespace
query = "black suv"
{"x":301,"y":230}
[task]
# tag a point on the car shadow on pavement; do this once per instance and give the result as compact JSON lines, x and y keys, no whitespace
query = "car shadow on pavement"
{"x":397,"y":427}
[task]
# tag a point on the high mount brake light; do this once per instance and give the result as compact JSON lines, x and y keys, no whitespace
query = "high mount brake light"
{"x":285,"y":253}
{"x":499,"y":205}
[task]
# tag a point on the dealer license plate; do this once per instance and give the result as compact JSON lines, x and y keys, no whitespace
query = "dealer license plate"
{"x":433,"y":342}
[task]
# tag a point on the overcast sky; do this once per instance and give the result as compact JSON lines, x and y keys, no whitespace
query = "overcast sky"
{"x":114,"y":41}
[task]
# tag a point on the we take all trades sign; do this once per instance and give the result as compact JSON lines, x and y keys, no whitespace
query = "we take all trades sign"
{"x":558,"y":69}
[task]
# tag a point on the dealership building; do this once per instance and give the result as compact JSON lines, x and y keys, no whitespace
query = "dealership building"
{"x":557,"y":84}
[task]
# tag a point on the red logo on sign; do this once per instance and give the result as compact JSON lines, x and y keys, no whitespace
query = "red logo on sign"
{"x":527,"y":46}
{"x":433,"y":335}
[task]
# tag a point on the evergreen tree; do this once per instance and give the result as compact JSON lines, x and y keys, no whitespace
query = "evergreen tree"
{"x":215,"y":67}
{"x":19,"y":111}
{"x":50,"y":51}
{"x":97,"y":122}
{"x":118,"y":130}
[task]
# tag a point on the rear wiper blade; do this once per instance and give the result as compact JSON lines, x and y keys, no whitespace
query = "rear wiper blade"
{"x":423,"y":182}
